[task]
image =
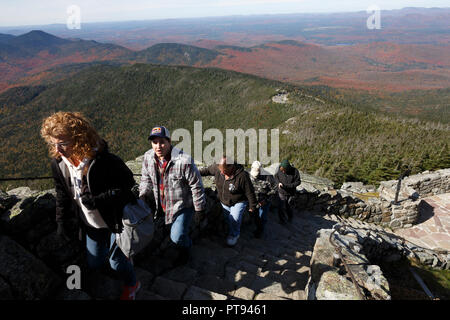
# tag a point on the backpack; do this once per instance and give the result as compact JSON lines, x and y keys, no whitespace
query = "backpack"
{"x":137,"y":230}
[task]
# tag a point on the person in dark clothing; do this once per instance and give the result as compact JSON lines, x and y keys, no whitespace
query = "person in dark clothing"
{"x":287,"y":178}
{"x":235,"y":192}
{"x":94,"y":185}
{"x":265,"y":190}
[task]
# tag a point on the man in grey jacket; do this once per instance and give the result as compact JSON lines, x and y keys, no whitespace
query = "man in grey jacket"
{"x":172,"y":185}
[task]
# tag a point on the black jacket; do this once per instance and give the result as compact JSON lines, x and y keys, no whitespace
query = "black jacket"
{"x":106,"y":172}
{"x":265,"y":187}
{"x":290,"y":180}
{"x":241,"y":190}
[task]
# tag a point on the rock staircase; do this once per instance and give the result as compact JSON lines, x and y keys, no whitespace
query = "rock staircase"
{"x":275,"y":267}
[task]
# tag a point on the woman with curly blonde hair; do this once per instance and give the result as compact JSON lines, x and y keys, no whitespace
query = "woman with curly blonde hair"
{"x":95,"y":185}
{"x":73,"y":126}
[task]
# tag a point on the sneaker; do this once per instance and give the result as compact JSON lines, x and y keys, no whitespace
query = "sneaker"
{"x":231,"y":241}
{"x":129,"y":292}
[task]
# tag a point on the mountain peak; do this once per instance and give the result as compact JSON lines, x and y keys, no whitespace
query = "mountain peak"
{"x":39,"y":37}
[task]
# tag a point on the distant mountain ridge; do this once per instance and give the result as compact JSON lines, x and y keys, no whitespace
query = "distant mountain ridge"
{"x":412,"y":25}
{"x":380,"y":66}
{"x":30,"y":43}
{"x":36,"y":51}
{"x":376,"y":68}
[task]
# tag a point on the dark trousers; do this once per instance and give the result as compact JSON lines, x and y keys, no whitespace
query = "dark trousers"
{"x":284,"y":208}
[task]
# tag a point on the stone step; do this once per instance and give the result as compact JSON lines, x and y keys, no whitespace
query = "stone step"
{"x":196,"y":293}
{"x":266,"y":296}
{"x":352,"y":222}
{"x":164,"y":287}
{"x":215,"y":284}
{"x":143,"y":294}
{"x":380,"y":228}
{"x":239,"y":277}
{"x":275,"y":267}
{"x":156,"y":265}
{"x":183,"y":274}
{"x":243,"y":293}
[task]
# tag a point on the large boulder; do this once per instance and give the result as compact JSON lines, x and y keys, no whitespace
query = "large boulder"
{"x":388,"y":190}
{"x":7,"y":201}
{"x":330,"y":278}
{"x":333,"y":286}
{"x":31,"y":217}
{"x":28,"y":277}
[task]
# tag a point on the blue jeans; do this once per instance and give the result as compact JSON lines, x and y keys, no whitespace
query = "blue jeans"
{"x":179,"y":232}
{"x":98,"y":244}
{"x":233,"y":216}
{"x":262,"y":212}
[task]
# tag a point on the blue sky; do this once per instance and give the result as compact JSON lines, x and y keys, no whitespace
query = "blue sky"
{"x":41,"y":12}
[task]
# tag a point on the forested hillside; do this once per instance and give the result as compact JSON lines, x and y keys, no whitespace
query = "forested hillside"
{"x":124,"y":102}
{"x":345,"y":144}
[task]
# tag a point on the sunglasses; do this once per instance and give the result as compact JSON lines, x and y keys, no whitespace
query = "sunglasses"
{"x":62,"y":144}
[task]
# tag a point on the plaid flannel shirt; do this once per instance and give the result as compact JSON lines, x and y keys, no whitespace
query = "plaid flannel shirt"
{"x":183,"y":186}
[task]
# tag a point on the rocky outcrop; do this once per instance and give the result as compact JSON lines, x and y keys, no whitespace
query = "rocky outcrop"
{"x":363,"y":247}
{"x":281,"y":96}
{"x":22,"y":275}
{"x":331,"y":281}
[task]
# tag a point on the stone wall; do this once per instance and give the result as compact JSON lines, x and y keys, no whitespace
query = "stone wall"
{"x":346,"y":205}
{"x":421,"y":185}
{"x":380,"y":210}
{"x":347,"y":202}
{"x":362,"y":249}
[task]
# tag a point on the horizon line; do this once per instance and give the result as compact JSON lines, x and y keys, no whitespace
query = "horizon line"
{"x":210,"y":17}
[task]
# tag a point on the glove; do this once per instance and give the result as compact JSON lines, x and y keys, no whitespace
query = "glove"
{"x":86,"y":197}
{"x":88,"y":200}
{"x":109,"y":195}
